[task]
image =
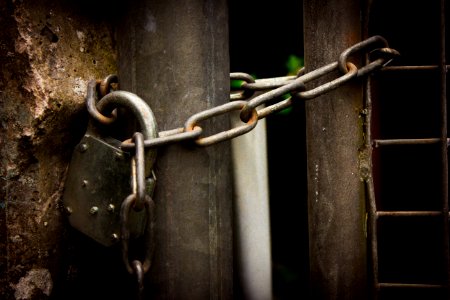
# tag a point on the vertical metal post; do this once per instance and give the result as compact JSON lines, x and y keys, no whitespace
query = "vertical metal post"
{"x":252,"y":224}
{"x":336,"y":205}
{"x":444,"y":147}
{"x":174,"y":54}
{"x":372,"y":228}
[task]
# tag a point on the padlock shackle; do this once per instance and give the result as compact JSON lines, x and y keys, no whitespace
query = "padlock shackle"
{"x":144,"y":115}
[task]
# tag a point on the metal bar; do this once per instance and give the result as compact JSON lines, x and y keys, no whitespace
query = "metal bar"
{"x":445,"y":205}
{"x":369,"y":183}
{"x":178,"y":50}
{"x":409,"y":213}
{"x":338,"y":269}
{"x":411,"y":285}
{"x":269,"y":83}
{"x":392,"y":142}
{"x":370,"y":191}
{"x":412,"y":68}
{"x":443,"y":140}
{"x":252,"y":224}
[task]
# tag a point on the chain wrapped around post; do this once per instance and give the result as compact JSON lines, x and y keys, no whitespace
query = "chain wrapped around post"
{"x":273,"y":89}
{"x":270,"y":90}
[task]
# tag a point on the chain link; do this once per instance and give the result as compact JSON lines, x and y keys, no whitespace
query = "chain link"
{"x":273,"y":89}
{"x":125,"y":209}
{"x":138,"y":171}
{"x":292,"y":86}
{"x":166,"y":137}
{"x":91,"y":105}
{"x":248,"y":125}
{"x":247,"y":92}
{"x":251,"y":85}
{"x":138,"y":200}
{"x":368,"y":44}
{"x":106,"y":85}
{"x":138,"y":270}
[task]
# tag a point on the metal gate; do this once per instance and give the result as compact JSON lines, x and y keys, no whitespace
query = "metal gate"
{"x":406,"y":133}
{"x":403,"y":160}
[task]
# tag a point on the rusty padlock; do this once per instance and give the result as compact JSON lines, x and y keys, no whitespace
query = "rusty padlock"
{"x":98,"y":178}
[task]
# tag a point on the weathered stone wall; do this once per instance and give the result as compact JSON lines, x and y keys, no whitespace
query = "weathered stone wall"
{"x":48,"y":52}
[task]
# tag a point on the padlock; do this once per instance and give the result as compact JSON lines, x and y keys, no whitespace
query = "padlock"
{"x":98,"y":179}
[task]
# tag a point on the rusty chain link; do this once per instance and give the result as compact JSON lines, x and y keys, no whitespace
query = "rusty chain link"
{"x":249,"y":124}
{"x":91,"y":105}
{"x":125,"y":209}
{"x":138,"y":270}
{"x":385,"y":51}
{"x":138,"y":172}
{"x":106,"y":85}
{"x":272,"y":89}
{"x":138,"y":200}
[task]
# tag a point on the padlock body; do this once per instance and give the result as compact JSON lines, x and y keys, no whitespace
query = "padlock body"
{"x":97,"y":182}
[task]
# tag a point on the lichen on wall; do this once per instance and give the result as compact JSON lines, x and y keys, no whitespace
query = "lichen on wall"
{"x":48,"y":52}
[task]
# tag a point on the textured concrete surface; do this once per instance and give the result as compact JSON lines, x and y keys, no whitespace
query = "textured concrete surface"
{"x":48,"y":52}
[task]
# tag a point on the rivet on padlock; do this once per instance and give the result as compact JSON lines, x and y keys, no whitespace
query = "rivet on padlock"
{"x":98,"y":178}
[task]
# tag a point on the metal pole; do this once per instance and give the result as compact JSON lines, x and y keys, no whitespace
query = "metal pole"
{"x":251,"y":214}
{"x":334,"y":134}
{"x":174,"y":54}
{"x":444,"y":142}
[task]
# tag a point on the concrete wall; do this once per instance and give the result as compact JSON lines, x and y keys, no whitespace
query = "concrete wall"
{"x":48,"y":52}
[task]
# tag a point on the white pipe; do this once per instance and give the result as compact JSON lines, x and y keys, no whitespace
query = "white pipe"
{"x":252,"y":213}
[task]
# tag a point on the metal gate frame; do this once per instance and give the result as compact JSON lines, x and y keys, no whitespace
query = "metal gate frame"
{"x":374,"y":213}
{"x":337,"y":199}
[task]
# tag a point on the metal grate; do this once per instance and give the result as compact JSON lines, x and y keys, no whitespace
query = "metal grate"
{"x":400,"y":210}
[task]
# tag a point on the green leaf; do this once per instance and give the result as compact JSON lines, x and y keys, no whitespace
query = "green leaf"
{"x":236,"y":84}
{"x":294,"y":63}
{"x":287,"y":110}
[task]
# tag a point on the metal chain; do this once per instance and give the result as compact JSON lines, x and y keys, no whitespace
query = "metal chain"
{"x":138,"y":172}
{"x":91,"y":104}
{"x":273,"y":89}
{"x":106,"y":84}
{"x":138,"y":200}
{"x":125,"y":209}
